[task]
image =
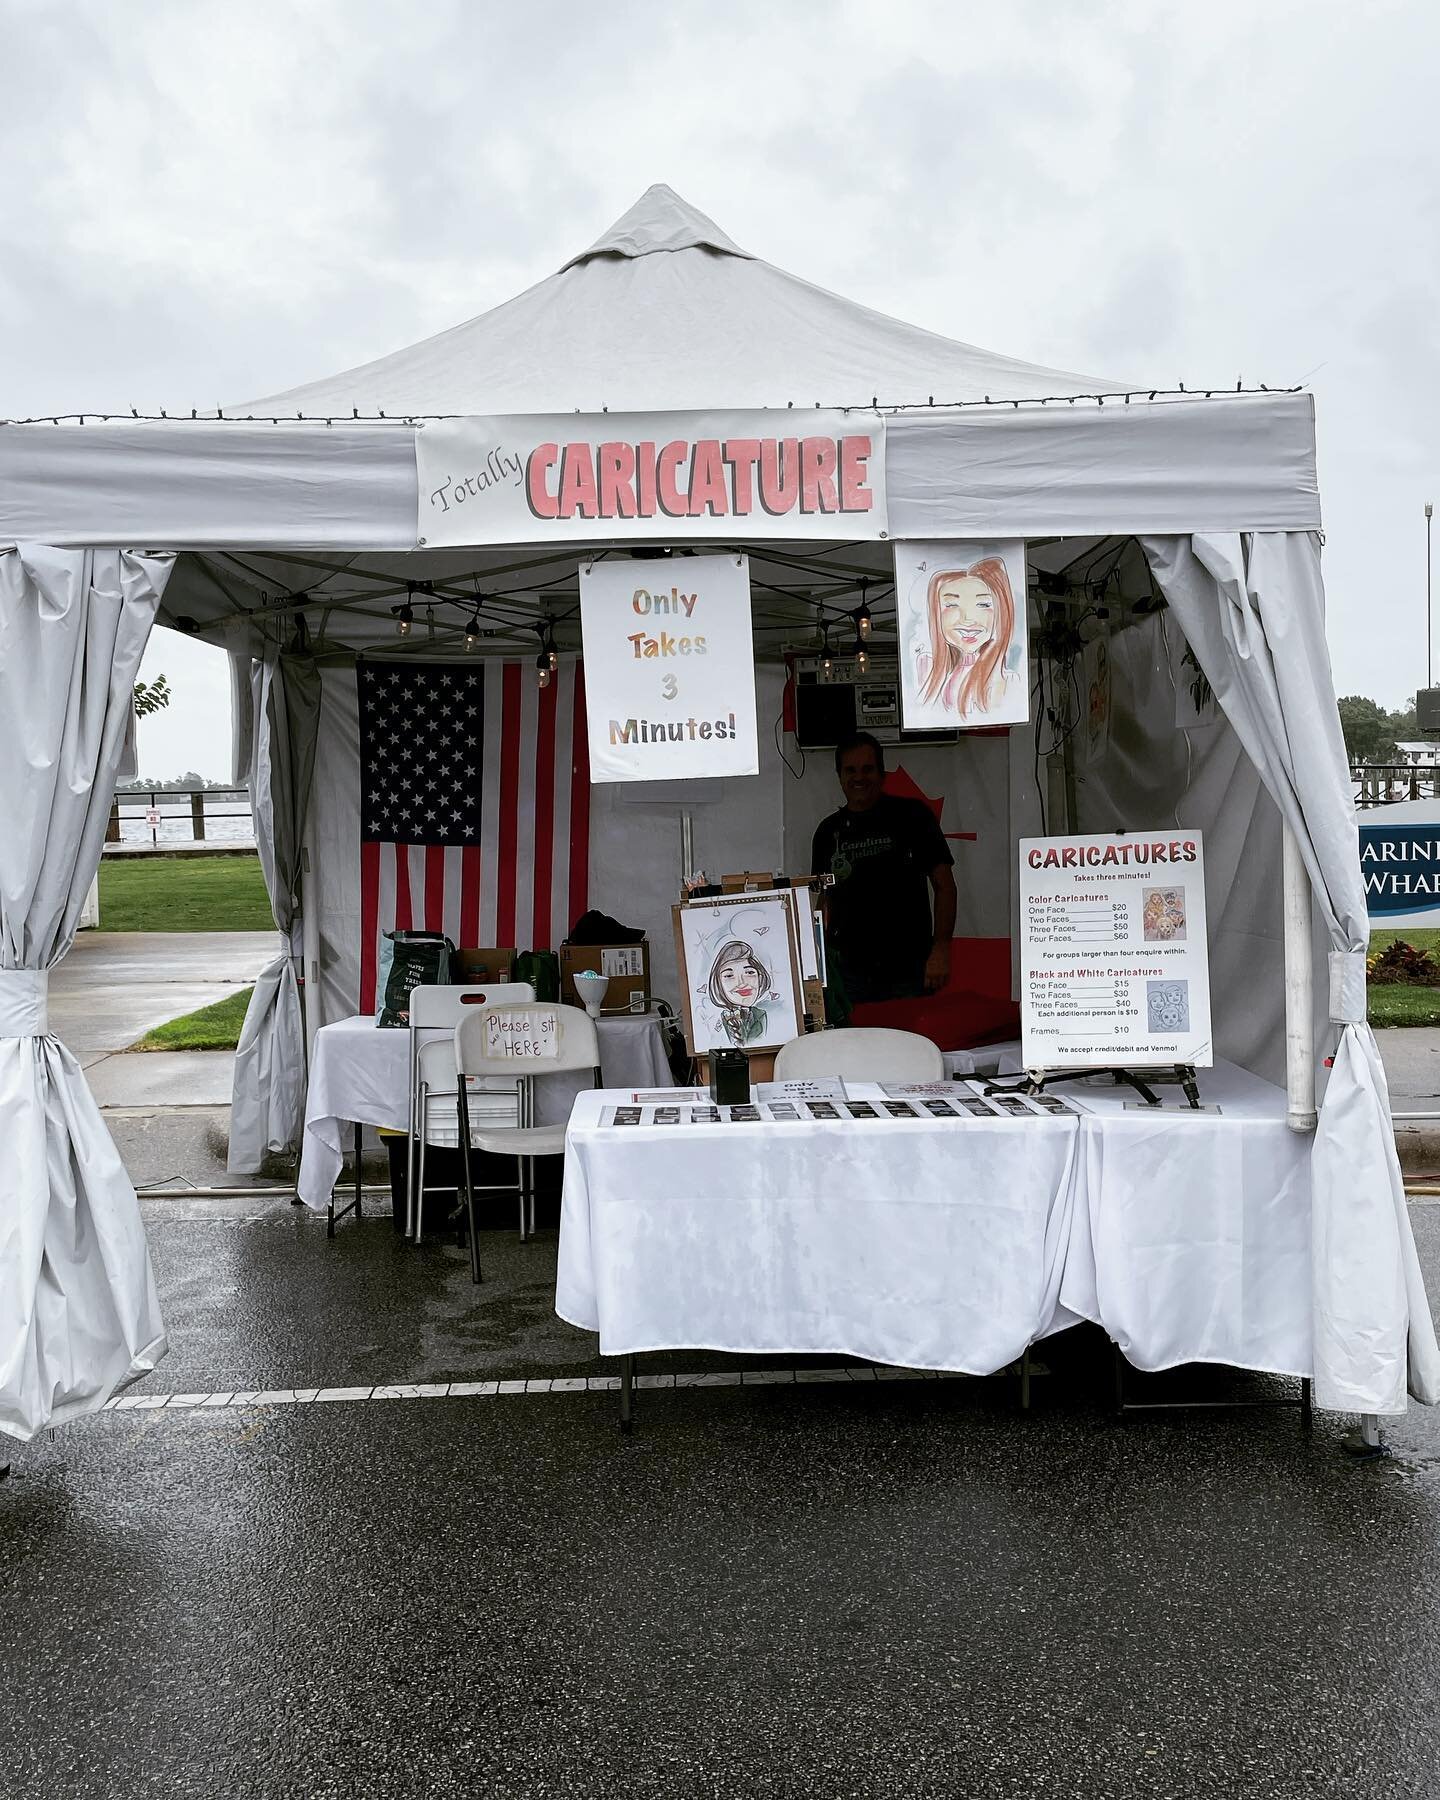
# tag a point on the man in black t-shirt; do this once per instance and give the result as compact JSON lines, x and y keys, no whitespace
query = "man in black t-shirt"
{"x":886,"y":855}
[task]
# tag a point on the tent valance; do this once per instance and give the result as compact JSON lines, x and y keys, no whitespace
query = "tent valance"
{"x":1233,"y":463}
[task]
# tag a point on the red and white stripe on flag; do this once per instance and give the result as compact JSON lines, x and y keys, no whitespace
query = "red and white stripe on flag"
{"x":526,"y":881}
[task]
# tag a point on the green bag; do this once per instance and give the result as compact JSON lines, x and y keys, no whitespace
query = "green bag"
{"x":541,"y":968}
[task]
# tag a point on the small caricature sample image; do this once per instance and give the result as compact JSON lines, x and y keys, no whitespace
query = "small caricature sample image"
{"x":961,"y":614}
{"x":739,"y":986}
{"x":1164,"y":915}
{"x":1167,"y":1006}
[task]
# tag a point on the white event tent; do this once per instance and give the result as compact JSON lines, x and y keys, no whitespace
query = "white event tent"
{"x":287,"y":530}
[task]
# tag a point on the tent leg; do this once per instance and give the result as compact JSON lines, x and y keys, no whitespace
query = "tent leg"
{"x":627,"y":1393}
{"x":1300,"y":1114}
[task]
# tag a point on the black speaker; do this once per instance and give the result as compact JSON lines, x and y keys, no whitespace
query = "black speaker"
{"x":1427,"y":710}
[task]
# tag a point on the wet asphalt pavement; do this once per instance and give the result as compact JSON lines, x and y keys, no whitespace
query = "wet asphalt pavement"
{"x":849,"y":1588}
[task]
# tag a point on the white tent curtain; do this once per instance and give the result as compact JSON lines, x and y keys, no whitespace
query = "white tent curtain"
{"x":79,"y":1313}
{"x":267,"y":1104}
{"x":1253,"y":610}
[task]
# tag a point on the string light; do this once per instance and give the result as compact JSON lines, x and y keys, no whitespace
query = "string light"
{"x":405,"y":615}
{"x":548,"y":661}
{"x":862,"y":655}
{"x":827,"y":659}
{"x":472,"y":631}
{"x":863,"y":621}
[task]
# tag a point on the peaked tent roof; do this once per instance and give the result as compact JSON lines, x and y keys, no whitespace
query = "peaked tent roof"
{"x":664,"y":312}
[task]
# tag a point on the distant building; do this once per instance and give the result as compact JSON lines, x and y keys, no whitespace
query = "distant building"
{"x":1420,"y":756}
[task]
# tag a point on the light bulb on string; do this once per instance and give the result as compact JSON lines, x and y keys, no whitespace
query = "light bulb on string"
{"x":472,"y":632}
{"x":827,"y":659}
{"x":542,"y":668}
{"x":863,"y":621}
{"x":404,"y":615}
{"x":862,"y":655}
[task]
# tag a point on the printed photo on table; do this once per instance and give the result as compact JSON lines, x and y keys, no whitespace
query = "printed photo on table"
{"x":961,"y":617}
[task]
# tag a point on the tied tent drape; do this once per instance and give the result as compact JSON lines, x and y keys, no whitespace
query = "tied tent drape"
{"x":79,"y":1313}
{"x":279,"y":713}
{"x":1252,"y":608}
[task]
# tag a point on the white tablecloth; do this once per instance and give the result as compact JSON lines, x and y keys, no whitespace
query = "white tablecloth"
{"x":948,"y":1244}
{"x":927,"y":1243}
{"x":361,"y":1075}
{"x":1192,"y":1241}
{"x":987,"y":1060}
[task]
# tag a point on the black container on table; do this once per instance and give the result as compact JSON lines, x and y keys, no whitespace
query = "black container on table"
{"x":729,"y":1078}
{"x":493,"y":1212}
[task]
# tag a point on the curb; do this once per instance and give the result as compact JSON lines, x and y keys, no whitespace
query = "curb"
{"x":1418,"y":1147}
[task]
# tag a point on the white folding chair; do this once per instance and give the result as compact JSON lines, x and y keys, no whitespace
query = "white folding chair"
{"x":861,"y":1053}
{"x":575,"y":1045}
{"x":434,"y":1014}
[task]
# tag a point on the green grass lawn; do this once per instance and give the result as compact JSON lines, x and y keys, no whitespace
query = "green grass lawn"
{"x":1399,"y":1003}
{"x":220,"y":893}
{"x":214,"y":1027}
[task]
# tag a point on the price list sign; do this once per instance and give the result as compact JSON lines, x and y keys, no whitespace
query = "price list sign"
{"x":1113,"y":956}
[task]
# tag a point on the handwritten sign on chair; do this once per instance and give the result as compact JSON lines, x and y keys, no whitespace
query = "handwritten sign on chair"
{"x":522,"y":1036}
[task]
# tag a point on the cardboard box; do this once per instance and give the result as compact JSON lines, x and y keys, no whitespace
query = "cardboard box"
{"x":485,"y":965}
{"x":748,"y":881}
{"x":627,"y":965}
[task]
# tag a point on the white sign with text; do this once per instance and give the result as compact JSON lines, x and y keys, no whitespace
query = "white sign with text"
{"x":669,"y":668}
{"x":1114,"y":963}
{"x":522,"y":1036}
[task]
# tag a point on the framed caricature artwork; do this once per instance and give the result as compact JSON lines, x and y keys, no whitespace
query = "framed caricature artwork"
{"x":739,"y":972}
{"x":960,"y":614}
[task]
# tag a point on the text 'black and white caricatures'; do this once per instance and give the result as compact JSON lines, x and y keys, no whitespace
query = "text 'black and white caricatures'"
{"x":960,"y":611}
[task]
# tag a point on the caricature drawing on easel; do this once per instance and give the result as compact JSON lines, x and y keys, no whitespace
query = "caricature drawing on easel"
{"x":739,"y":985}
{"x":740,"y":971}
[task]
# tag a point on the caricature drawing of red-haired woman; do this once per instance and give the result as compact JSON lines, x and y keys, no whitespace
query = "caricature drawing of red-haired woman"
{"x":970,"y":614}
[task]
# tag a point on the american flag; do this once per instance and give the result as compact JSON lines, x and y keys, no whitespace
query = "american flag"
{"x":474,"y":805}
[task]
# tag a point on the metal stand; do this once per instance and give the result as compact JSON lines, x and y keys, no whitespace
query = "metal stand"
{"x":354,"y":1206}
{"x":627,"y":1393}
{"x":1123,"y":1406}
{"x":1184,"y":1073}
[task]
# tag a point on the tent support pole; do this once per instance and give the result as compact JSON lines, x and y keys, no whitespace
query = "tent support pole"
{"x":1300,"y":1112}
{"x":687,"y":847}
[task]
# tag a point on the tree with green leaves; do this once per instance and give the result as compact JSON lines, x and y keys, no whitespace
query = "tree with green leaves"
{"x":151,"y":696}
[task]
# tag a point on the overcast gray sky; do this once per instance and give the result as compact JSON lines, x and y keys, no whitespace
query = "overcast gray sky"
{"x":200,"y":202}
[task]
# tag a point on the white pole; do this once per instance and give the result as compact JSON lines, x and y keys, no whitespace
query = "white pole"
{"x":1299,"y":990}
{"x":687,"y":846}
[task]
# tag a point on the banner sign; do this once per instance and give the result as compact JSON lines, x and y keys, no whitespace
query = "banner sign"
{"x":960,"y":614}
{"x":535,"y":478}
{"x":1400,"y":863}
{"x":1114,"y":963}
{"x":669,"y":668}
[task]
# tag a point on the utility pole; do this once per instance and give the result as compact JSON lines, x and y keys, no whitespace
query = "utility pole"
{"x":1429,"y":516}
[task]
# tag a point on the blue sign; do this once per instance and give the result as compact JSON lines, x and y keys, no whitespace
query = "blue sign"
{"x":1400,"y":865}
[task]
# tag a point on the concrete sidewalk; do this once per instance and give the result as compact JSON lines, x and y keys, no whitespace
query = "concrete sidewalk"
{"x":114,"y":986}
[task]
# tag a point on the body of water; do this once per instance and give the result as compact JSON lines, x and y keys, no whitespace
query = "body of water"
{"x":227,"y":818}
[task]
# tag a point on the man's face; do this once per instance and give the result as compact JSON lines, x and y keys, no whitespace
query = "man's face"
{"x":860,"y":778}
